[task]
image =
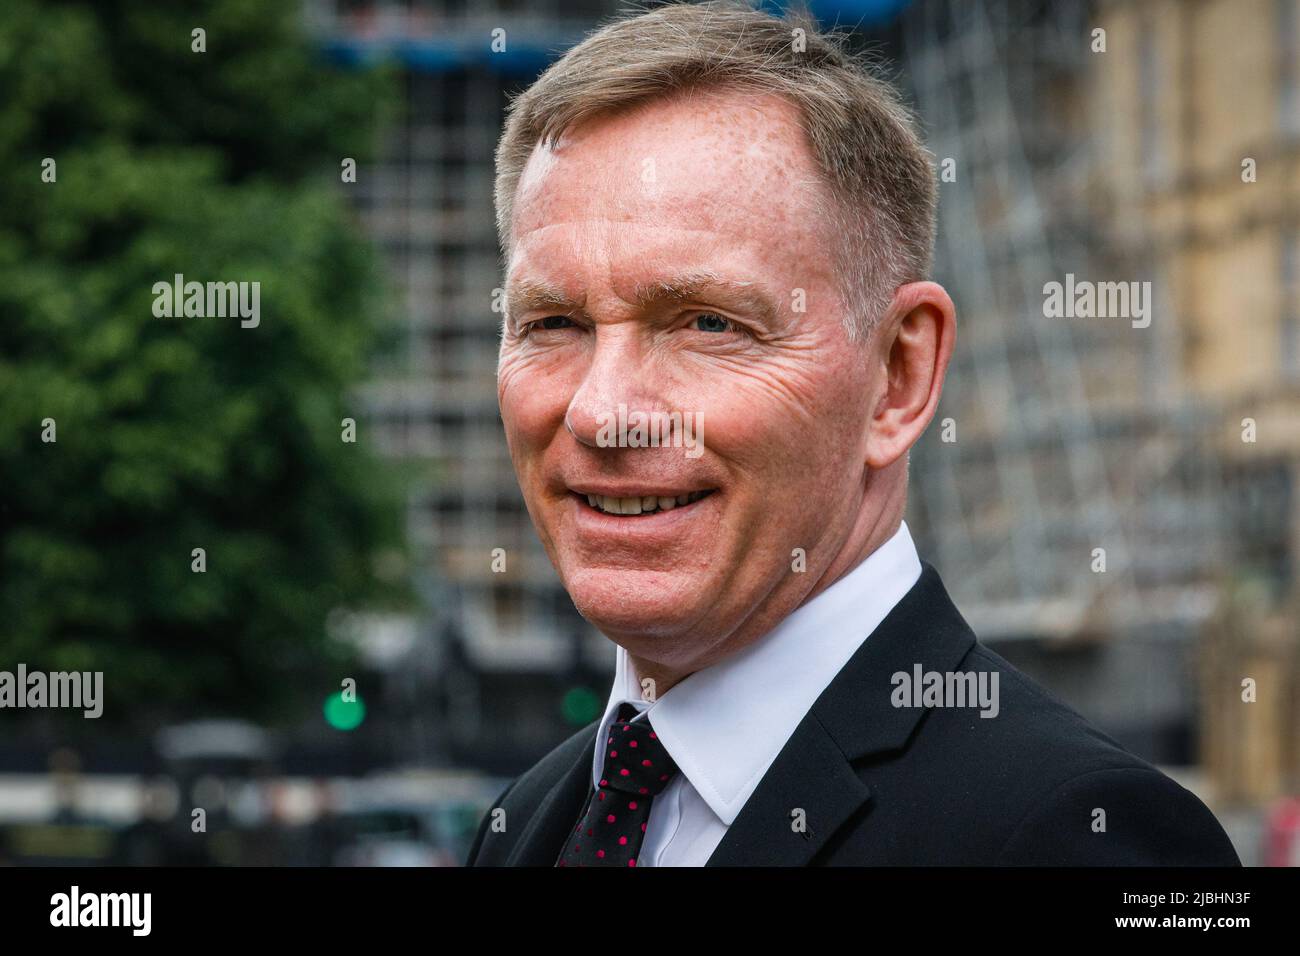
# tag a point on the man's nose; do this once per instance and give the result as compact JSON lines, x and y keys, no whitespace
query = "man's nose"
{"x":617,"y":375}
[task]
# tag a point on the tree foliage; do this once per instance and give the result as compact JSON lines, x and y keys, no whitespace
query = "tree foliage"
{"x":182,"y":433}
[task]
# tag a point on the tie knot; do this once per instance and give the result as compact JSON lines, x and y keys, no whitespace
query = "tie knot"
{"x":636,"y":761}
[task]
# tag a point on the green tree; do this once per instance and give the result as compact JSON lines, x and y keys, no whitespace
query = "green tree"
{"x":183,"y":433}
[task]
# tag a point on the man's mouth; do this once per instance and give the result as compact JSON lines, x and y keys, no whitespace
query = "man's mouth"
{"x":641,"y":504}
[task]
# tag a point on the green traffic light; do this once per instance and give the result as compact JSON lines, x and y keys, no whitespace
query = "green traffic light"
{"x":580,"y":705}
{"x":344,"y":715}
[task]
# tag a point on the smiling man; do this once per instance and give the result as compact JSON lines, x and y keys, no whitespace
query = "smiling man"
{"x":714,"y":216}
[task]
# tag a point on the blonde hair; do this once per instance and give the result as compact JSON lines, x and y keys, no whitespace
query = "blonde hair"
{"x":880,"y":176}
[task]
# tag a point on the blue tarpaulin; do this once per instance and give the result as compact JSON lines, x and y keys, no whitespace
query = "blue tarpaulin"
{"x":526,"y":56}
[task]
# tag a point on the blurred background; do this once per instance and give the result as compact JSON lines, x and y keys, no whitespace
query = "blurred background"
{"x":1165,"y":148}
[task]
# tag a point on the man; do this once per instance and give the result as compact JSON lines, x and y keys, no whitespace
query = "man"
{"x":719,"y":345}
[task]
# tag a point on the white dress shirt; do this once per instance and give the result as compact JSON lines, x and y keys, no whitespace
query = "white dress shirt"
{"x":726,"y":724}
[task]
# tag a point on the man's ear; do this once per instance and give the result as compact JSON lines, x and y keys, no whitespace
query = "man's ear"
{"x":914,"y":345}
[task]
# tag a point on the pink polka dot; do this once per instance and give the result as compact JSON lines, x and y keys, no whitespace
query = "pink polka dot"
{"x":622,"y":841}
{"x":645,"y":763}
{"x":601,"y":854}
{"x":631,"y":743}
{"x":631,"y":862}
{"x":613,"y":753}
{"x":610,"y":818}
{"x":632,"y":805}
{"x":624,"y":772}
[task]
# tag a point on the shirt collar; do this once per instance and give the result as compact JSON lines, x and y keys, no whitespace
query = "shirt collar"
{"x":726,"y":724}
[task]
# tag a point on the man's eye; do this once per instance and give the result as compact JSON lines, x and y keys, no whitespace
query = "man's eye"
{"x":550,"y":323}
{"x":712,"y":322}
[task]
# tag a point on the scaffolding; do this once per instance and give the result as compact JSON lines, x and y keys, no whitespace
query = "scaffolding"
{"x":1075,"y":439}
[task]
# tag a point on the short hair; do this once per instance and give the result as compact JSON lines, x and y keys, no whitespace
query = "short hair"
{"x":881,"y":179}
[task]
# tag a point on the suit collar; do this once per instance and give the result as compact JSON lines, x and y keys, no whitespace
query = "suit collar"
{"x":812,"y":788}
{"x":924,"y":628}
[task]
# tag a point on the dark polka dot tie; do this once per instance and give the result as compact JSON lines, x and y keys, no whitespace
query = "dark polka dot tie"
{"x":612,"y":827}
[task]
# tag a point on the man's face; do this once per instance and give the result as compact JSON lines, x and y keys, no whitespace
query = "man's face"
{"x":712,"y":196}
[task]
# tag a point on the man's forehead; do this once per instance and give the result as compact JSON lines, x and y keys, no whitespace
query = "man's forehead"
{"x":737,"y":160}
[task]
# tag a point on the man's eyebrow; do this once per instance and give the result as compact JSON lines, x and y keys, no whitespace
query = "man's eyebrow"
{"x":698,"y":284}
{"x":528,"y":295}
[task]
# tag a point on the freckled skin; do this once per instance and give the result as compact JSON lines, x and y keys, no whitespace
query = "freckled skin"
{"x":805,"y":434}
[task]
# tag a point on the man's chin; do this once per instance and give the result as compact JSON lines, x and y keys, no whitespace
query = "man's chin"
{"x":636,"y":603}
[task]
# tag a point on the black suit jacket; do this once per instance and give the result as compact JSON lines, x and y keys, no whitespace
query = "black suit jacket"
{"x":884,"y":785}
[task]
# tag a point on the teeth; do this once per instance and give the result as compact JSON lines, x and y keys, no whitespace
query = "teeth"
{"x":641,"y":504}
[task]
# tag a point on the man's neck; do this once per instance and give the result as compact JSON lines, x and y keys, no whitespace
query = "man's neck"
{"x":662,"y":679}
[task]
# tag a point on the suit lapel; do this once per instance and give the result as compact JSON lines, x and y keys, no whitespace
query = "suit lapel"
{"x":549,"y":827}
{"x":813,"y":778}
{"x":807,"y":793}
